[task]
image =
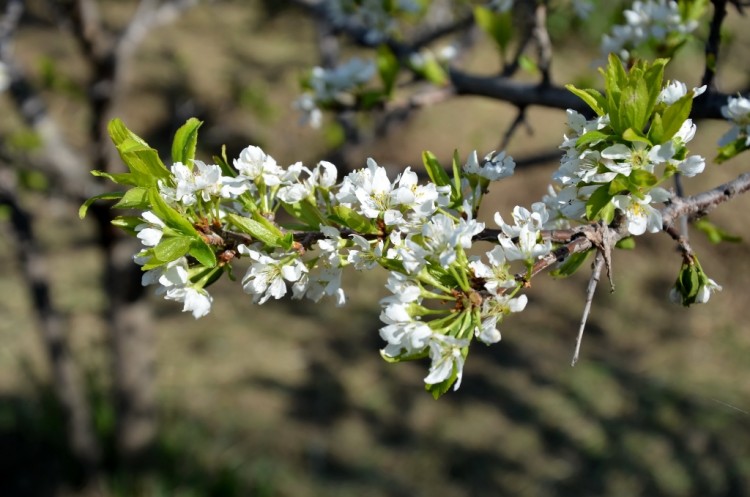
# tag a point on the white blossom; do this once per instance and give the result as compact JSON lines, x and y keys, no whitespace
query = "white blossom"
{"x":495,"y":166}
{"x":150,"y":233}
{"x":257,"y":166}
{"x":447,"y":358}
{"x":639,"y":214}
{"x":195,"y":300}
{"x":265,"y":277}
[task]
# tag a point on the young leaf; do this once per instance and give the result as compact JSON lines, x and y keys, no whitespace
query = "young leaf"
{"x":433,"y":72}
{"x":434,"y":170}
{"x":135,"y":198}
{"x":652,"y":79}
{"x":570,"y":265}
{"x":498,"y":25}
{"x":388,"y":68}
{"x":714,"y":233}
{"x":202,"y":252}
{"x":591,"y":97}
{"x":456,"y":194}
{"x":353,"y":220}
{"x":591,"y":138}
{"x":255,"y":229}
{"x":643,"y":179}
{"x":119,"y":178}
{"x":619,"y":185}
{"x":675,"y":115}
{"x":633,"y":135}
{"x":627,"y":243}
{"x":598,"y":201}
{"x":171,"y":217}
{"x":127,"y":223}
{"x":731,"y":149}
{"x":306,"y":212}
{"x":172,"y":248}
{"x":221,"y":161}
{"x":185,"y":141}
{"x":102,"y":196}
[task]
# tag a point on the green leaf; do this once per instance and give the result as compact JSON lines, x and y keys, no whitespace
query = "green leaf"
{"x":571,"y":264}
{"x":633,"y":135}
{"x":643,"y":179}
{"x":528,"y":64}
{"x":615,"y":78}
{"x":689,"y":283}
{"x":456,"y":194}
{"x":498,"y":25}
{"x":202,"y":252}
{"x":652,"y":80}
{"x":591,"y":97}
{"x":127,"y":223}
{"x":354,"y":220}
{"x":306,"y":212}
{"x":185,"y":141}
{"x":388,"y":68}
{"x":598,"y":201}
{"x":434,"y":170}
{"x":369,"y":98}
{"x":221,"y":161}
{"x":619,"y":185}
{"x":633,"y":107}
{"x":732,"y":149}
{"x":258,"y":230}
{"x":656,"y":130}
{"x":591,"y":138}
{"x":102,"y":196}
{"x":120,"y":133}
{"x":433,"y":72}
{"x":607,"y":214}
{"x":675,"y":115}
{"x":143,"y":161}
{"x":119,"y":178}
{"x":135,"y":198}
{"x":171,"y":217}
{"x":172,"y":248}
{"x":627,"y":243}
{"x":714,"y":233}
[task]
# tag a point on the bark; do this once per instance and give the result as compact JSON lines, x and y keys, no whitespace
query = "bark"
{"x":133,"y":356}
{"x":67,"y":382}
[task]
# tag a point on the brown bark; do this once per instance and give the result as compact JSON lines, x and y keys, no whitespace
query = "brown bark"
{"x":67,"y":382}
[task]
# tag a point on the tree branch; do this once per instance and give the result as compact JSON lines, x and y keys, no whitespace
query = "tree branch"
{"x":698,"y":205}
{"x":590,"y":291}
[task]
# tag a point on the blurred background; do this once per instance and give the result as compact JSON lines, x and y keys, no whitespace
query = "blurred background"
{"x":105,"y":390}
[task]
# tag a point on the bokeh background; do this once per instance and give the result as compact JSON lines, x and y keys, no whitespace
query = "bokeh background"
{"x":292,"y":398}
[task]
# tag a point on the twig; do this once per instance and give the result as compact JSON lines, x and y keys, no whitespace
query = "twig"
{"x":595,"y":274}
{"x":544,"y":44}
{"x":701,"y":203}
{"x":520,"y":119}
{"x":65,"y":376}
{"x":713,"y":42}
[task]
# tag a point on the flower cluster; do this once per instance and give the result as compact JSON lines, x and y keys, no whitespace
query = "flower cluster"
{"x":300,"y":227}
{"x":329,"y":85}
{"x":442,"y":298}
{"x":377,"y":17}
{"x":737,"y":110}
{"x":601,"y":174}
{"x":174,"y":278}
{"x":650,"y":22}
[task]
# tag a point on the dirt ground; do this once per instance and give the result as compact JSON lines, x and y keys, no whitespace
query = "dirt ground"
{"x":293,"y":399}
